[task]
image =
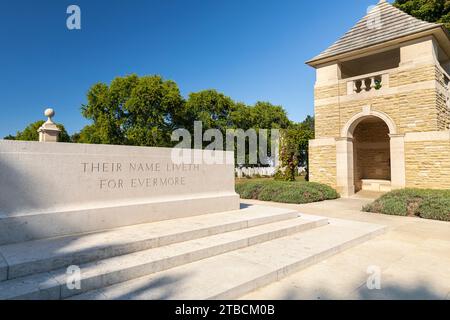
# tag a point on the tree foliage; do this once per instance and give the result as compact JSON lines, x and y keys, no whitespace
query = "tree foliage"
{"x":132,"y":110}
{"x":144,"y":111}
{"x":427,"y":10}
{"x":212,"y":108}
{"x":263,"y":115}
{"x":10,"y":137}
{"x":294,"y":149}
{"x":268,"y":116}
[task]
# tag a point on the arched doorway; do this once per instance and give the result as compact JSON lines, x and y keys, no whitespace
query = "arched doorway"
{"x":370,"y":154}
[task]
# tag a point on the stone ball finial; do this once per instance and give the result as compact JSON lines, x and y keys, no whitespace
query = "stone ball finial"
{"x":49,"y":113}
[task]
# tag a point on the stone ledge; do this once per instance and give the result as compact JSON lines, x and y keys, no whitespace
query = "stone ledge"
{"x":427,"y":136}
{"x":28,"y":227}
{"x":322,"y":142}
{"x":425,"y":85}
{"x":376,"y":185}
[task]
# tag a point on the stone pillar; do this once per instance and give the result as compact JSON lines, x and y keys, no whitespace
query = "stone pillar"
{"x":344,"y":166}
{"x":398,"y":171}
{"x":419,"y":52}
{"x":49,"y":132}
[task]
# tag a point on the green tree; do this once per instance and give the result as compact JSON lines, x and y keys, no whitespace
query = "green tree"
{"x":242,"y":116}
{"x":268,"y":116}
{"x":294,"y":149}
{"x":309,"y":123}
{"x":86,"y":135}
{"x":263,"y":115}
{"x":9,"y":137}
{"x":30,"y":133}
{"x":132,"y":110}
{"x":145,"y":110}
{"x":212,"y":108}
{"x":427,"y":10}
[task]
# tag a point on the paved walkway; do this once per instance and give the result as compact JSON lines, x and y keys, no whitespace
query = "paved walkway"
{"x":413,"y":259}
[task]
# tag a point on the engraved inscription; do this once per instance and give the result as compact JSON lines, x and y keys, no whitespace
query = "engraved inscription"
{"x":167,"y":175}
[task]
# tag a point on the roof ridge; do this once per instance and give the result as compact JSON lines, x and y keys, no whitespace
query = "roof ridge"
{"x":384,"y":2}
{"x":382,"y":22}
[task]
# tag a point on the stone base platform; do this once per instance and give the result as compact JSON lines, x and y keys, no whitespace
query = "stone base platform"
{"x":180,"y":258}
{"x":376,"y":185}
{"x":16,"y":228}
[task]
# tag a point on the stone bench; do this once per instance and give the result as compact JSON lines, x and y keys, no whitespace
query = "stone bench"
{"x":376,"y":185}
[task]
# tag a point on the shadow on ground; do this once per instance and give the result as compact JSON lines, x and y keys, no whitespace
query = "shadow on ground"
{"x":421,"y":291}
{"x":162,"y":287}
{"x":159,"y":288}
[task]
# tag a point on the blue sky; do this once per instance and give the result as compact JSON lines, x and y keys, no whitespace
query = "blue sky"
{"x":248,"y":49}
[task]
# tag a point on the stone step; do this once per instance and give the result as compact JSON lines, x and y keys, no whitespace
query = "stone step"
{"x":39,"y":256}
{"x":233,"y":274}
{"x":95,"y":275}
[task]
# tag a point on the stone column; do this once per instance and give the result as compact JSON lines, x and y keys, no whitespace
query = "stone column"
{"x":344,"y":166}
{"x":49,"y":132}
{"x":398,"y":171}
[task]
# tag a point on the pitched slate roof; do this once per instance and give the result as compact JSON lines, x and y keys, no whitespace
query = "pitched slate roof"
{"x":383,"y":23}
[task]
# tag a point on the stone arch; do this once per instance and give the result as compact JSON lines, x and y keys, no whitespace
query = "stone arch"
{"x":345,"y":152}
{"x":347,"y":130}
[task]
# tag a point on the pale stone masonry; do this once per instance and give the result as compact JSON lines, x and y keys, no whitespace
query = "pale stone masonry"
{"x":382,"y":106}
{"x":57,"y":189}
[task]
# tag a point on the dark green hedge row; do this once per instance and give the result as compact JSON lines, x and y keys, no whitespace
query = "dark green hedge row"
{"x":424,"y":203}
{"x":285,"y":192}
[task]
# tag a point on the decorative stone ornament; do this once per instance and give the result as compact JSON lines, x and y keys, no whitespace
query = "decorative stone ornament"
{"x":49,"y":132}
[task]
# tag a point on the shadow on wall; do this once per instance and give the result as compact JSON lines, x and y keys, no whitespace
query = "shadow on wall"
{"x":13,"y":184}
{"x":18,"y":190}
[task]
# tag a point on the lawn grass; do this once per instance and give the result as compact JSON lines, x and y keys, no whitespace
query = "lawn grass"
{"x":297,"y":192}
{"x":424,"y":203}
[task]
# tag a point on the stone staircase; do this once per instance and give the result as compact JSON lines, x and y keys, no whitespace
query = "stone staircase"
{"x":215,"y":256}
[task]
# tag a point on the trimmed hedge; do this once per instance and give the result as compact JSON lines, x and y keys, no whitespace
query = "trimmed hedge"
{"x":285,"y":192}
{"x":424,"y":203}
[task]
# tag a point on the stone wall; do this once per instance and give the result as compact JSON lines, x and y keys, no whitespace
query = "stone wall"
{"x":327,"y":120}
{"x":415,"y":99}
{"x":371,"y":151}
{"x":428,"y":164}
{"x":411,"y":100}
{"x":414,"y":75}
{"x":322,"y":162}
{"x":63,"y":188}
{"x":442,"y":103}
{"x":330,"y":91}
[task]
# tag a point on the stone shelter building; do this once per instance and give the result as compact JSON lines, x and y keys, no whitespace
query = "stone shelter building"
{"x":382,"y":106}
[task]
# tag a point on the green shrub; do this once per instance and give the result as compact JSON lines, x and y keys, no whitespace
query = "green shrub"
{"x":424,"y":203}
{"x":285,"y":192}
{"x":435,"y":208}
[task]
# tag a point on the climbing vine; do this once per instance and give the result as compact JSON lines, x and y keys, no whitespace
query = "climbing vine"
{"x":294,"y":150}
